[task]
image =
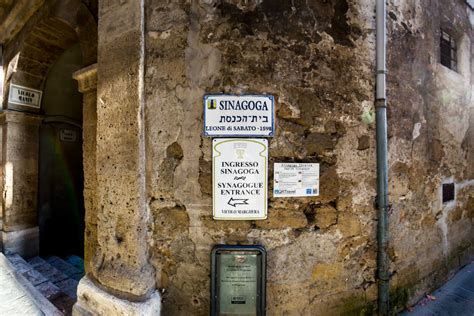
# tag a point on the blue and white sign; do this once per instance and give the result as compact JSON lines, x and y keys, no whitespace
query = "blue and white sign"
{"x":295,"y":179}
{"x":239,"y":115}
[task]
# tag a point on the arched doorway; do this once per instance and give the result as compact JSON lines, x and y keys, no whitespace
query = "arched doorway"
{"x":60,"y":182}
{"x":43,"y":143}
{"x":43,"y":148}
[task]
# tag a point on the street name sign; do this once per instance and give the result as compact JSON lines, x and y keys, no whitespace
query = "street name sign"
{"x":239,"y":178}
{"x":295,"y":179}
{"x":239,"y":115}
{"x":25,"y":96}
{"x":68,"y":135}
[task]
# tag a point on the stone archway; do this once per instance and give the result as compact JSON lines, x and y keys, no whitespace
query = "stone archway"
{"x":116,"y":256}
{"x":53,"y":29}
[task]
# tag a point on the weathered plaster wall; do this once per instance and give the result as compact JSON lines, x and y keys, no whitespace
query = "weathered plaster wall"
{"x":431,"y":112}
{"x":316,"y":59}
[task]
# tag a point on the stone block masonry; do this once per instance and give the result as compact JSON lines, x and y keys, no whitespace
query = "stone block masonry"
{"x":148,"y":167}
{"x":309,"y":64}
{"x":20,"y":181}
{"x":120,"y":279}
{"x":318,"y":64}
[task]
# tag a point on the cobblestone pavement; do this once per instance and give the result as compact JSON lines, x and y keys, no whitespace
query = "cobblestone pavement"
{"x":455,"y":298}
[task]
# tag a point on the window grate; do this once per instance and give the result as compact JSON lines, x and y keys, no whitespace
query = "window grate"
{"x":448,"y":192}
{"x":448,"y":51}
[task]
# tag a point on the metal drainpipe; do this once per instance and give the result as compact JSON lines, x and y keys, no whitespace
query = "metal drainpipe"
{"x":382,"y":161}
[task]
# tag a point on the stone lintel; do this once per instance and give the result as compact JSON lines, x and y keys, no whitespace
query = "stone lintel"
{"x":86,"y":78}
{"x":20,"y":117}
{"x":92,"y":300}
{"x":23,"y":242}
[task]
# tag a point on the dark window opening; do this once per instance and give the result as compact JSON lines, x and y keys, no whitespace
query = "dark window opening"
{"x":448,"y":192}
{"x":448,"y":51}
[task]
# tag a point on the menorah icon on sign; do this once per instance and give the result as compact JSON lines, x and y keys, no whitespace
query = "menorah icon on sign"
{"x":211,"y":104}
{"x":240,"y":153}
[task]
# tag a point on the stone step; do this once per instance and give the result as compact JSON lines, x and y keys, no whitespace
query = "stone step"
{"x":54,"y":278}
{"x":26,"y":270}
{"x":63,"y":266}
{"x":48,"y":289}
{"x":18,"y":295}
{"x":47,"y":270}
{"x":63,"y":302}
{"x":34,"y":277}
{"x":69,"y":286}
{"x":36,"y":261}
{"x":19,"y":263}
{"x":76,"y":262}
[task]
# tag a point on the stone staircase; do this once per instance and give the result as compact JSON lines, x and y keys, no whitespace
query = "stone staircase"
{"x":55,"y":278}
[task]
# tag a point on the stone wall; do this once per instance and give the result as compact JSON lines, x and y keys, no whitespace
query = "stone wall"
{"x":19,"y":182}
{"x":148,"y":167}
{"x":431,"y":112}
{"x":316,"y":58}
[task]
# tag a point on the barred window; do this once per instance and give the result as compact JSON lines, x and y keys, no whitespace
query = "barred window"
{"x":448,"y":51}
{"x":448,"y":192}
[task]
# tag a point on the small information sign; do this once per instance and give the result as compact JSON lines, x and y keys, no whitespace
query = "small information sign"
{"x":25,"y":96}
{"x":67,"y":135}
{"x":239,"y":178}
{"x":296,"y":179}
{"x":239,"y":115}
{"x":238,"y":283}
{"x":238,"y":280}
